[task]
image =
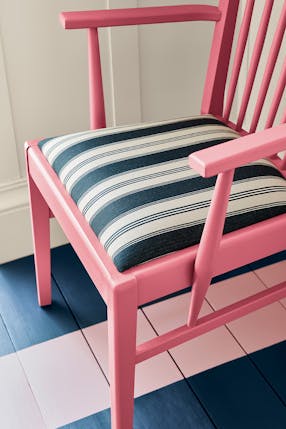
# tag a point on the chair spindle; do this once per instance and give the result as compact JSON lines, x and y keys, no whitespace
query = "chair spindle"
{"x":258,"y":46}
{"x":96,"y":97}
{"x":272,"y":59}
{"x":277,"y":97}
{"x":241,"y":44}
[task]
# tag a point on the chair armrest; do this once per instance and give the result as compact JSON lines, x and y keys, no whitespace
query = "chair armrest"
{"x":136,"y":16}
{"x":235,"y":153}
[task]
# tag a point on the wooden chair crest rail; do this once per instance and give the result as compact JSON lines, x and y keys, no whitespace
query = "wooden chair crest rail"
{"x":138,"y":247}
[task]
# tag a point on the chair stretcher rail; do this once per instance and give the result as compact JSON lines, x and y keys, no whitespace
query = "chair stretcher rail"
{"x":211,"y":321}
{"x":136,"y":16}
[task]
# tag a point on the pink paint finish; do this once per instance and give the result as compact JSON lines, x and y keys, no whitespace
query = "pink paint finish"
{"x":18,"y":407}
{"x":96,"y":99}
{"x":210,"y":322}
{"x":122,"y":327}
{"x":212,"y":161}
{"x":209,"y":244}
{"x":96,"y":261}
{"x":40,"y":219}
{"x":213,"y":96}
{"x":273,"y":55}
{"x":124,"y":292}
{"x":65,"y":378}
{"x":277,"y":97}
{"x":241,"y":44}
{"x":255,"y":58}
{"x":156,"y":278}
{"x":136,"y":16}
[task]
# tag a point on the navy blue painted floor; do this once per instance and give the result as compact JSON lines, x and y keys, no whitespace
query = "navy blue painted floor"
{"x":245,"y":393}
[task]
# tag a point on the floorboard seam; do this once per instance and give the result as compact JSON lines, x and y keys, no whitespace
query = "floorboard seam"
{"x":266,"y":287}
{"x":248,"y":356}
{"x":266,"y":380}
{"x":8,"y":333}
{"x":31,"y":389}
{"x":80,"y":329}
{"x":23,"y":369}
{"x":184,"y":378}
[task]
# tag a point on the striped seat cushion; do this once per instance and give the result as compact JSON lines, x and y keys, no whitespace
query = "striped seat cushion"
{"x":142,"y":200}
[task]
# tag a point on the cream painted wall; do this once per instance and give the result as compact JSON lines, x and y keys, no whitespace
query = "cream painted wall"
{"x":150,"y":73}
{"x":147,"y":76}
{"x":173,"y":60}
{"x":43,"y":92}
{"x":46,"y":69}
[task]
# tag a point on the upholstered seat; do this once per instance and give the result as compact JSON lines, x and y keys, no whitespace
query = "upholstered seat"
{"x":135,"y":188}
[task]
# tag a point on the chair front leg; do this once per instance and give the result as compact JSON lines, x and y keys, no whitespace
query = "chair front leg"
{"x":40,"y":219}
{"x":122,"y":325}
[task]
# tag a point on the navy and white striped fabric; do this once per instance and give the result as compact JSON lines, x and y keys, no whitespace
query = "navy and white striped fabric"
{"x":135,"y":188}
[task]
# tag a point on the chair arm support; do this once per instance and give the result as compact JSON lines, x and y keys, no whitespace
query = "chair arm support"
{"x":235,"y":153}
{"x":136,"y":16}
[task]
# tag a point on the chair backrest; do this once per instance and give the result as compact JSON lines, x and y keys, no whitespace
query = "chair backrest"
{"x":264,"y":21}
{"x":221,"y":91}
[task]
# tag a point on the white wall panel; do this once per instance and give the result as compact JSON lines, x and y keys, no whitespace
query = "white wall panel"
{"x":150,"y":73}
{"x":46,"y":68}
{"x":125,"y":72}
{"x":44,"y":92}
{"x":9,"y":167}
{"x":173,"y":61}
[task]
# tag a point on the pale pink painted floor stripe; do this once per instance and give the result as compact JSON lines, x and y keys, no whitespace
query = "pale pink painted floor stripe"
{"x":65,"y":378}
{"x":273,"y":274}
{"x":18,"y":407}
{"x":151,"y":374}
{"x":257,"y":330}
{"x":199,"y":354}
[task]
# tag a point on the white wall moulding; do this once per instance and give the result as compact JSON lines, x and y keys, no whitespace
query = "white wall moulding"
{"x":149,"y":73}
{"x":44,"y":92}
{"x":13,"y":196}
{"x":15,"y":226}
{"x":46,"y":69}
{"x":9,"y":166}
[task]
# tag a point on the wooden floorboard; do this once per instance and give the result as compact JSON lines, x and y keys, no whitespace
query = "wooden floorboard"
{"x":26,"y":322}
{"x":249,"y":392}
{"x":237,"y":396}
{"x":174,"y":406}
{"x":6,"y":345}
{"x":271,"y":362}
{"x":77,"y":288}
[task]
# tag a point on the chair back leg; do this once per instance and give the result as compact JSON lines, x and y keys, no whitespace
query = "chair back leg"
{"x":122,"y":326}
{"x":40,"y":220}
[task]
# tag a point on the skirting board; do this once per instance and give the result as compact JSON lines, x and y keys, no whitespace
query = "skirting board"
{"x":15,"y":225}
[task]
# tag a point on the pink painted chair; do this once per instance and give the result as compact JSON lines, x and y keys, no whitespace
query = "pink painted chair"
{"x":145,"y":219}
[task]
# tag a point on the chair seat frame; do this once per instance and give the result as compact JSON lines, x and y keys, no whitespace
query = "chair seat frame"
{"x":124,"y":292}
